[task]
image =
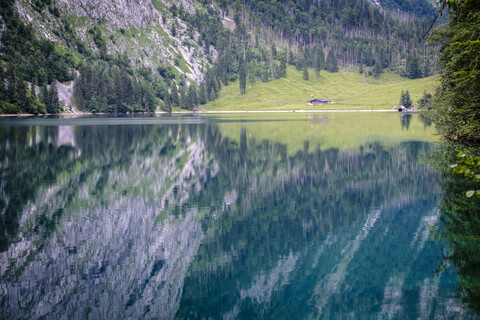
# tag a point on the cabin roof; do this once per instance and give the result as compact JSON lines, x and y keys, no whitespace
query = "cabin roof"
{"x":320,"y":100}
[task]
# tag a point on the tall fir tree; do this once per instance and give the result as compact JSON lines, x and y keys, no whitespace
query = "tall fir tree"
{"x":331,"y":62}
{"x":54,"y":100}
{"x":305,"y":72}
{"x":202,"y":98}
{"x":319,"y":59}
{"x":242,"y":74}
{"x":192,"y":100}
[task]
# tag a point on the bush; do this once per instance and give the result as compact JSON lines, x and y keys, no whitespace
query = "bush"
{"x":8,"y":108}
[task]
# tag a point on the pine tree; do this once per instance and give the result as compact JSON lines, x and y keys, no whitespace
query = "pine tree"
{"x":378,"y":67}
{"x":413,"y":67}
{"x":282,"y":71}
{"x":54,"y":100}
{"x":192,"y":100}
{"x":242,"y":74}
{"x":149,"y":101}
{"x":202,"y":98}
{"x":174,"y":94}
{"x":405,"y":99}
{"x":183,"y":102}
{"x":305,"y":72}
{"x":45,"y":97}
{"x":331,"y":63}
{"x":273,"y":49}
{"x":319,"y":59}
{"x":20,"y":96}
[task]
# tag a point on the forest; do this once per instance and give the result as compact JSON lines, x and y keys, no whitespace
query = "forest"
{"x":267,"y":36}
{"x":457,"y":105}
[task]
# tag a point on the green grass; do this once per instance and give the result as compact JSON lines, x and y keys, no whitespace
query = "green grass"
{"x":348,"y":90}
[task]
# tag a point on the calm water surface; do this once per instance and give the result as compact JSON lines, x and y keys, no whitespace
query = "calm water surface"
{"x":265,"y":216}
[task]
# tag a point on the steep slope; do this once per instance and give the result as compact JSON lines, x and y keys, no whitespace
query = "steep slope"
{"x":140,"y":29}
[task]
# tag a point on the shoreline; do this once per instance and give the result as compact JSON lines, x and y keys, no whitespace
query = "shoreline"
{"x":80,"y":114}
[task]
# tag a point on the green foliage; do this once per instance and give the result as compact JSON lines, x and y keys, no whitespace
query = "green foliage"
{"x":49,"y":97}
{"x":242,"y":75}
{"x":308,"y":29}
{"x":460,"y":229}
{"x":8,"y":108}
{"x":457,"y":110}
{"x":353,"y":30}
{"x":470,"y":168}
{"x":98,"y":40}
{"x":405,"y":99}
{"x":331,"y":63}
{"x":425,"y":101}
{"x":105,"y":88}
{"x":413,"y":68}
{"x":305,"y":72}
{"x":26,"y":59}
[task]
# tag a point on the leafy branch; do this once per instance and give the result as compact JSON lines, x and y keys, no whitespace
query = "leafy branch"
{"x":470,"y":168}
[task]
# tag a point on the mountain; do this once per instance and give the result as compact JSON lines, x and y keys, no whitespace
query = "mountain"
{"x":129,"y":56}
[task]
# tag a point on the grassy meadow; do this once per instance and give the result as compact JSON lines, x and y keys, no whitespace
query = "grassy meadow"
{"x":347,"y":90}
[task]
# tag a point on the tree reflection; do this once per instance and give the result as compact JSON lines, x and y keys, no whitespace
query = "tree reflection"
{"x":182,"y":219}
{"x":405,"y":120}
{"x":461,"y":226}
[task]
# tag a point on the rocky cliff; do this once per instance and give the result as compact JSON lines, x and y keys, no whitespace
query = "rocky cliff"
{"x":141,"y":29}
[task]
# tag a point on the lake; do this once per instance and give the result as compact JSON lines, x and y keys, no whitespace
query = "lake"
{"x":234,"y":216}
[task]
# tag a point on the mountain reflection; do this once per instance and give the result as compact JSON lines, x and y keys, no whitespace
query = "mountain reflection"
{"x":184,"y":221}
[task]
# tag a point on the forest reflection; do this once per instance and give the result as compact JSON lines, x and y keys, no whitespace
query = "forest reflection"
{"x":184,"y":220}
{"x":460,"y":229}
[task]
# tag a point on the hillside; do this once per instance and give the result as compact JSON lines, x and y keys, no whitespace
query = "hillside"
{"x":346,"y":89}
{"x":145,"y":55}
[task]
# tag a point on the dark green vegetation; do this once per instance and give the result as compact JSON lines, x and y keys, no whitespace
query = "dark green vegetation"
{"x":25,"y":58}
{"x":425,"y":101}
{"x":405,"y":99}
{"x":30,"y":68}
{"x":458,"y":102}
{"x":264,"y":37}
{"x":470,"y":168}
{"x":102,"y":88}
{"x":460,"y":216}
{"x":352,"y":33}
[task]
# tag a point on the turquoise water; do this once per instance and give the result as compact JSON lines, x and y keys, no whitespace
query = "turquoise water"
{"x":229,"y":217}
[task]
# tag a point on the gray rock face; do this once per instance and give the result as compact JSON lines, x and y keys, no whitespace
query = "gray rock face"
{"x":120,"y":13}
{"x":187,"y":5}
{"x":132,"y":27}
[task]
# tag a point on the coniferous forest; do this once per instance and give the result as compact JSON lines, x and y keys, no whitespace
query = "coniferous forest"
{"x":457,"y":109}
{"x":264,"y":37}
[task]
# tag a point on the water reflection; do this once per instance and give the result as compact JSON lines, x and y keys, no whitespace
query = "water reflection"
{"x":460,"y":229}
{"x":184,"y":220}
{"x":405,"y":120}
